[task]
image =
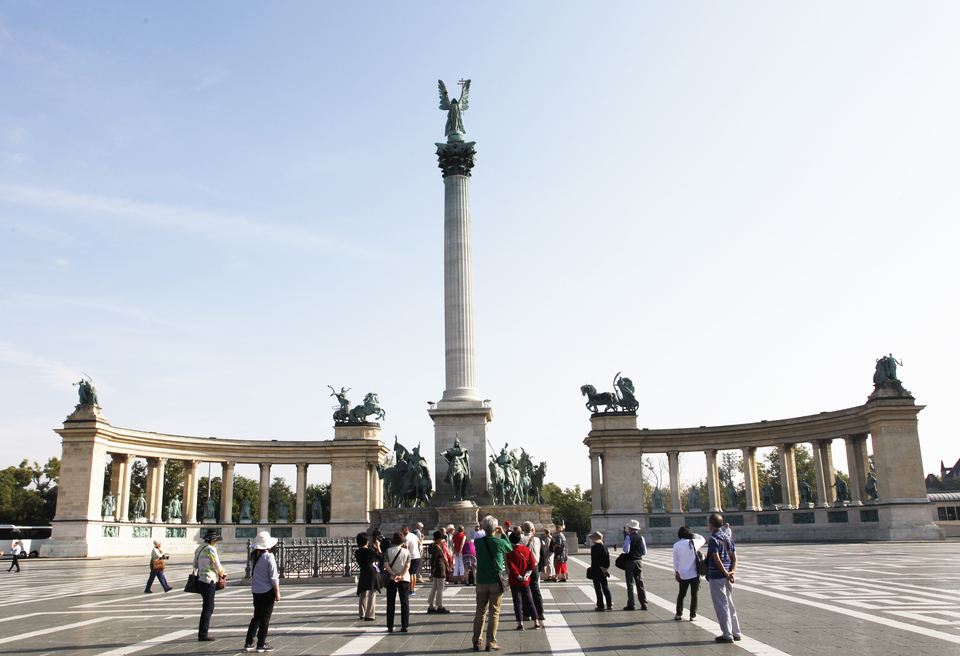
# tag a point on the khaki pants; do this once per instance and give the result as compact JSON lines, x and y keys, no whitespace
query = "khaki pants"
{"x":488,"y":595}
{"x":435,"y":600}
{"x":368,"y":604}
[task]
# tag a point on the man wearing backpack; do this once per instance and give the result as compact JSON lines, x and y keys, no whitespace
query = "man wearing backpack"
{"x":685,"y":569}
{"x":633,"y":570}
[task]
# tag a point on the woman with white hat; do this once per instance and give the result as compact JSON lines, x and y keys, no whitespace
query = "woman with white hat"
{"x":265,"y":586}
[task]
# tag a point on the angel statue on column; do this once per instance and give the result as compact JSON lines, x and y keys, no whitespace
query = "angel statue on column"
{"x":454,"y":109}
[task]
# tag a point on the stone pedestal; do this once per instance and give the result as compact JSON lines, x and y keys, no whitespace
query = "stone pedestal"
{"x":468,"y":421}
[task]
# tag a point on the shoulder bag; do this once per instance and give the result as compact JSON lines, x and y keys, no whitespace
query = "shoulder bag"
{"x":503,"y":573}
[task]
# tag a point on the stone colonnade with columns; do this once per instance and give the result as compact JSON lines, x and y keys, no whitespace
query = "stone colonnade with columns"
{"x":90,"y":443}
{"x":902,"y":513}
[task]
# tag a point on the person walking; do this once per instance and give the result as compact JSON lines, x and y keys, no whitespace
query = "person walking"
{"x":206,"y":562}
{"x":368,"y":581}
{"x":722,"y":559}
{"x":439,"y":565}
{"x":17,"y":553}
{"x":156,"y":568}
{"x":397,"y":564}
{"x":490,"y":552}
{"x":265,"y":586}
{"x":633,"y":571}
{"x":520,"y":567}
{"x":599,"y":564}
{"x":530,"y":540}
{"x":685,"y":569}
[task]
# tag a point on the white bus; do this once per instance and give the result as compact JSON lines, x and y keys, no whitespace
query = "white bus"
{"x":31,"y":536}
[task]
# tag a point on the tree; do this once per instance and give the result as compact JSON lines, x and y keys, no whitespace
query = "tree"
{"x":28,"y":494}
{"x":323,"y":491}
{"x":569,"y":506}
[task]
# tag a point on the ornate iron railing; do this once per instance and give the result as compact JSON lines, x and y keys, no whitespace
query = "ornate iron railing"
{"x":322,"y":558}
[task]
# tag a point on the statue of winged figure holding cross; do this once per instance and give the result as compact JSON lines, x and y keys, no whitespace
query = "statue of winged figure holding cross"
{"x":454,"y":109}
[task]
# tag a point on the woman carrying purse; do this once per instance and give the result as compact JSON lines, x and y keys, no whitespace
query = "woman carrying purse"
{"x":210,"y":574}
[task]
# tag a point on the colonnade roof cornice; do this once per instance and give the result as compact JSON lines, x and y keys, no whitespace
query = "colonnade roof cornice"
{"x":795,"y":430}
{"x":208,"y":449}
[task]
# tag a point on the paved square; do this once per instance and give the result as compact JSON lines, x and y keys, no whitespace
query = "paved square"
{"x":869,"y":599}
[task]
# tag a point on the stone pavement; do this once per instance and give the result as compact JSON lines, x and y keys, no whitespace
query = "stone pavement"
{"x":859,"y":599}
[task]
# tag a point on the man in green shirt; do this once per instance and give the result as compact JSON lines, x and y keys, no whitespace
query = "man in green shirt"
{"x":490,"y":552}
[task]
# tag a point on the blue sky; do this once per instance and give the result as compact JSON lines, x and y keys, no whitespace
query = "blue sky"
{"x":217,"y":209}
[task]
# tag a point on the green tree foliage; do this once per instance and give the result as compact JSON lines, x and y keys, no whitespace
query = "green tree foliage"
{"x":768,"y":470}
{"x":323,"y":491}
{"x":571,"y":506}
{"x":28,"y":494}
{"x":246,"y":488}
{"x":280,"y":490}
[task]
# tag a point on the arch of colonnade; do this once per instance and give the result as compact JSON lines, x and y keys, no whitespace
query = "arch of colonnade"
{"x":616,"y":447}
{"x":90,"y":443}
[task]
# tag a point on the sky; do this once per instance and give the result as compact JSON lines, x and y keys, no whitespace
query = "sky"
{"x":216,"y":210}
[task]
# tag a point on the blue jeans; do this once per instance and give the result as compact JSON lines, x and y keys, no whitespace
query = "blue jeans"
{"x":157,"y":574}
{"x":207,"y":590}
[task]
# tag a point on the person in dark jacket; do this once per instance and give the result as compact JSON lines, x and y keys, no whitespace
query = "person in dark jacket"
{"x":634,"y":569}
{"x":368,"y":582}
{"x":599,"y":564}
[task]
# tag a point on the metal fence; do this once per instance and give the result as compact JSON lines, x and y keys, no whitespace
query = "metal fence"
{"x":321,"y":558}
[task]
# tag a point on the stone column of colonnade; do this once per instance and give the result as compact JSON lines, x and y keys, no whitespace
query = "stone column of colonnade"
{"x":788,"y":475}
{"x":673,"y":457}
{"x":823,"y":469}
{"x":596,"y":483}
{"x":227,"y":473}
{"x":155,"y":469}
{"x":713,"y":480}
{"x":301,"y":510}
{"x":858,"y":465}
{"x":191,"y":479}
{"x":751,"y":483}
{"x":264,"y":493}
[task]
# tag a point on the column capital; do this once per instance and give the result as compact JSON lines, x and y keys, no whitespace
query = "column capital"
{"x":456,"y":157}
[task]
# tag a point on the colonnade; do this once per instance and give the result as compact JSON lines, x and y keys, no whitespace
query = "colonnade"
{"x":822,"y":451}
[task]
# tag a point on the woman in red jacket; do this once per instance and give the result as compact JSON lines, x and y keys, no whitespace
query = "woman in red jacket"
{"x":520,"y":564}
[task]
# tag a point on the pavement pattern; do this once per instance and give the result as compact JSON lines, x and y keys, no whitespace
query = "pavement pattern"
{"x":859,"y":599}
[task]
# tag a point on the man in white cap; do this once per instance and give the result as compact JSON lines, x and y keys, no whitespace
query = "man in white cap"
{"x":633,"y":570}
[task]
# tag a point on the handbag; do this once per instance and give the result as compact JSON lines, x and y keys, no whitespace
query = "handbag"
{"x":157,"y":566}
{"x":385,"y":576}
{"x":621,"y":561}
{"x":502,"y":573}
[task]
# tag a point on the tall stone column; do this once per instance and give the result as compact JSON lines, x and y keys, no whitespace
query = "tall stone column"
{"x":191,"y":479}
{"x":460,"y":413}
{"x":858,"y":465}
{"x":595,"y":483}
{"x":788,"y":475}
{"x":227,"y":474}
{"x":155,"y":469}
{"x":264,"y":493}
{"x":673,"y":457}
{"x":713,"y":480}
{"x":751,"y":483}
{"x":123,"y":501}
{"x":301,"y":512}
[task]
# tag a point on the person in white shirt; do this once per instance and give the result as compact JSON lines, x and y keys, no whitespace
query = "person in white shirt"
{"x":685,"y":569}
{"x":412,"y":542}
